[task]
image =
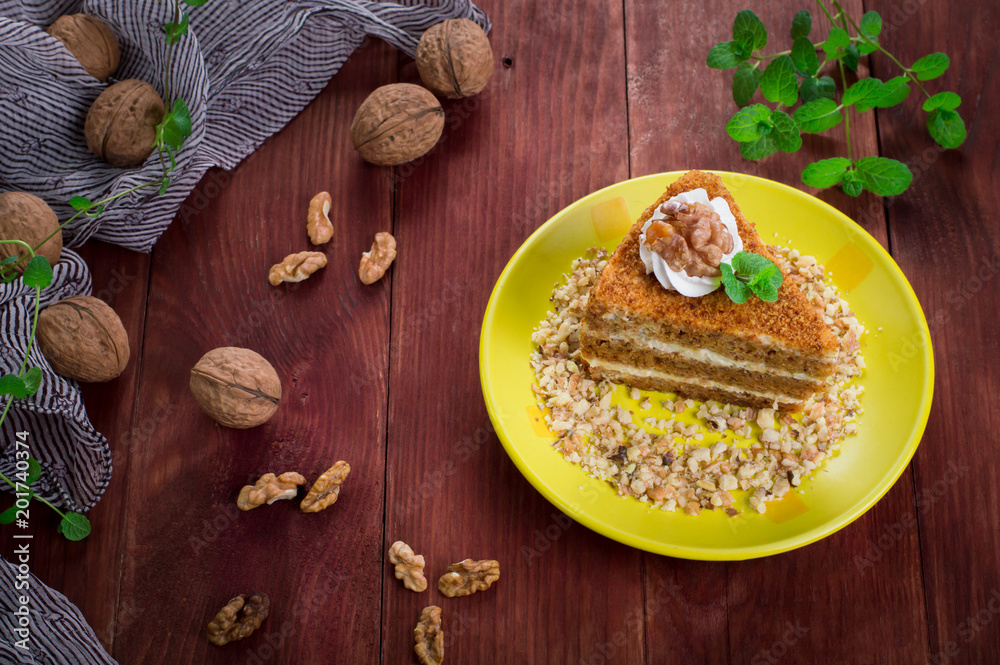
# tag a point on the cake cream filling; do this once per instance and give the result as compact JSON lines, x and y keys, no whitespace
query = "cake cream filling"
{"x":709,"y":357}
{"x":704,"y":383}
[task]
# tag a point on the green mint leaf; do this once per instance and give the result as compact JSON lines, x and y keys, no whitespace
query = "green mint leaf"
{"x":946,"y":127}
{"x":779,"y":83}
{"x":74,"y":526}
{"x":930,"y":66}
{"x":32,"y":378}
{"x":818,"y":115}
{"x":826,"y":172}
{"x":766,"y":282}
{"x":948,"y":101}
{"x":835,"y":44}
{"x":724,"y":56}
{"x":863,"y":95}
{"x":8,"y":516}
{"x":748,"y":264}
{"x":785,"y":132}
{"x":176,"y":30}
{"x":12,"y":384}
{"x":851,"y":183}
{"x":867,"y":45}
{"x":759,"y":149}
{"x":750,"y":123}
{"x":79,"y":203}
{"x":851,"y":57}
{"x":883,"y":176}
{"x":34,"y":471}
{"x":175,"y":126}
{"x":195,"y":3}
{"x":10,"y":260}
{"x":745,"y":83}
{"x":817,"y":88}
{"x":871,"y":24}
{"x":804,"y":57}
{"x":749,"y":31}
{"x":801,"y":24}
{"x":737,"y":291}
{"x":38,"y":272}
{"x":893,"y":92}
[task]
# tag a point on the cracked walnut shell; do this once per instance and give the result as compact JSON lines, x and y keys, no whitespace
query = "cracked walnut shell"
{"x":270,"y":488}
{"x":90,"y":41}
{"x":238,"y":619}
{"x":692,"y":238}
{"x":409,"y":566}
{"x":121,"y":123}
{"x":454,"y":58}
{"x":467,"y":577}
{"x":326,"y":490}
{"x":377,"y":260}
{"x":83,"y":339}
{"x":237,"y":387}
{"x":396,"y":124}
{"x":296,"y":267}
{"x":27,"y":218}
{"x":428,"y":638}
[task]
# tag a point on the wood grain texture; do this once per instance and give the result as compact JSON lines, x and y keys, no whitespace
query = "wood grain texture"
{"x":946,"y":239}
{"x":549,"y":128}
{"x":188,"y":549}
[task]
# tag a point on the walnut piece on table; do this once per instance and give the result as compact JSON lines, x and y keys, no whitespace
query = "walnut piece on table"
{"x":428,"y":638}
{"x":238,"y":619}
{"x":326,"y":490}
{"x":270,"y":488}
{"x":296,"y":267}
{"x":409,"y":566}
{"x":467,"y":577}
{"x":377,"y":260}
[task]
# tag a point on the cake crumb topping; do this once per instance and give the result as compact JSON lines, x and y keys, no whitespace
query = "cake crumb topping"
{"x":673,"y":465}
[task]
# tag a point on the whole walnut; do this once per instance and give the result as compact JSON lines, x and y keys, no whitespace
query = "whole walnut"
{"x":397,"y":124}
{"x":237,"y":387}
{"x":454,"y":58}
{"x":83,"y":339}
{"x":91,"y":41}
{"x":27,"y":218}
{"x":121,"y":123}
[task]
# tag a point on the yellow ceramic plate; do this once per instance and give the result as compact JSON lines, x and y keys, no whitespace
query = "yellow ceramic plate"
{"x":898,"y":380}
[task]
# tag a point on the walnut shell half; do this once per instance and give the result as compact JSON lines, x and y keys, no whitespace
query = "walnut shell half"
{"x":26,"y":217}
{"x":397,"y":124}
{"x":454,"y":58}
{"x":121,"y":123}
{"x":91,"y":41}
{"x":83,"y":339}
{"x":237,"y":387}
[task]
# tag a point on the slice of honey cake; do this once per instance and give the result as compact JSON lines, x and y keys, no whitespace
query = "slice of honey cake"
{"x":657,"y":318}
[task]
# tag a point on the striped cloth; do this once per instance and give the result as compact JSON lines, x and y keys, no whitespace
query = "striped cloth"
{"x":56,"y":632}
{"x":245,"y":69}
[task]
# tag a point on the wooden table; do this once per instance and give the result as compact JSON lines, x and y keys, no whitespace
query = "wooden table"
{"x":585,"y":94}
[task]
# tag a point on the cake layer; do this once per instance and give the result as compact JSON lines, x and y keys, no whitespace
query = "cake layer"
{"x":700,"y":389}
{"x":679,"y":366}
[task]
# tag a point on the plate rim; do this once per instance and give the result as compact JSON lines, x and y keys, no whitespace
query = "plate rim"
{"x":873,"y":496}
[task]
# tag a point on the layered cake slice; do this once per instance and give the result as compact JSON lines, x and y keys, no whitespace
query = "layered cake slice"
{"x":657,"y":318}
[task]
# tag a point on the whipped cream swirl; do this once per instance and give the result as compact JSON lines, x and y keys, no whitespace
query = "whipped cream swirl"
{"x":680,"y":281}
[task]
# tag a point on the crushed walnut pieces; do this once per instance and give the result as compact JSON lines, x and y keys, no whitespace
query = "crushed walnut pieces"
{"x":467,"y":577}
{"x":676,"y":466}
{"x":691,"y":238}
{"x":238,"y":619}
{"x":428,"y":638}
{"x":270,"y":488}
{"x":409,"y":566}
{"x":326,"y":490}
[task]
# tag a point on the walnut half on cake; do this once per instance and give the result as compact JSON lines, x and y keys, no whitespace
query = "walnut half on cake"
{"x":637,"y":332}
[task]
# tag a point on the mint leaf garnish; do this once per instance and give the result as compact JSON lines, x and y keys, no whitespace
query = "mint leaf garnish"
{"x":826,"y":172}
{"x":751,"y":273}
{"x":737,"y":291}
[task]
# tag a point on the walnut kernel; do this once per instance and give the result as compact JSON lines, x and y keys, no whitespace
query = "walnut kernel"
{"x":377,"y":260}
{"x":296,"y":267}
{"x":90,"y":41}
{"x":409,"y":566}
{"x":121,"y":123}
{"x":692,"y":238}
{"x":454,"y":58}
{"x":270,"y":488}
{"x":428,"y":638}
{"x":83,"y":339}
{"x":238,"y":619}
{"x":237,"y":387}
{"x":318,"y":223}
{"x":467,"y":577}
{"x":326,"y":490}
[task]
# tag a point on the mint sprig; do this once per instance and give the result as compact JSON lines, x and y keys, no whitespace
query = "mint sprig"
{"x":794,"y":82}
{"x":751,"y":274}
